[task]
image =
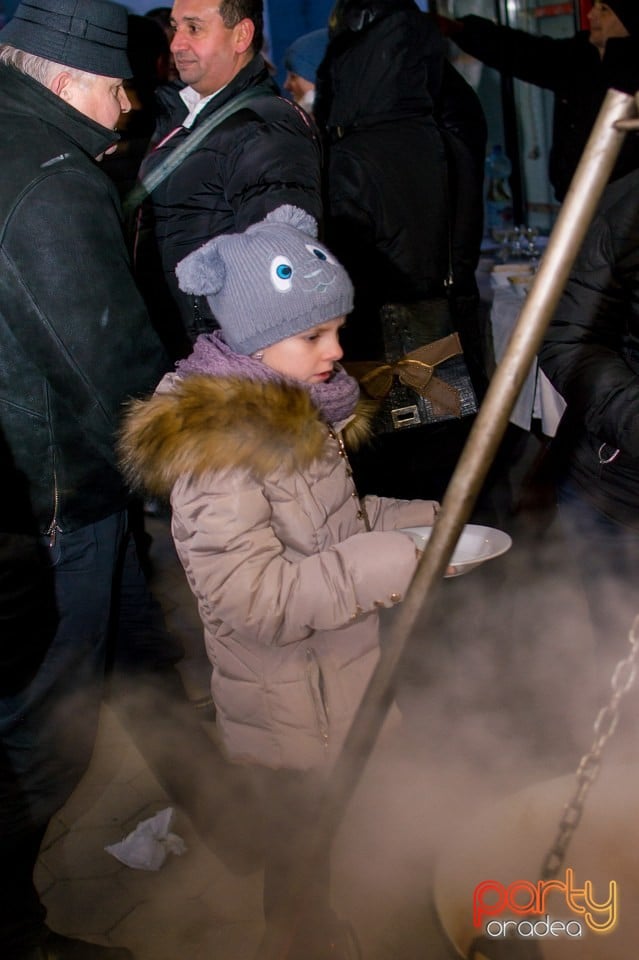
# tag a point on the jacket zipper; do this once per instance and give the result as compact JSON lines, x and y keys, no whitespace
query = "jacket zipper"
{"x":361,"y":511}
{"x":53,"y":528}
{"x":314,"y":677}
{"x":606,"y":454}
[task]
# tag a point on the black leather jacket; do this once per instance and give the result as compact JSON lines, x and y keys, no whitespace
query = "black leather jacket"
{"x":261,"y":157}
{"x":75,"y":339}
{"x":591,"y":355}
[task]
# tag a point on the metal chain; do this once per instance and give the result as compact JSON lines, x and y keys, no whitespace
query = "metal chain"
{"x":605,"y":725}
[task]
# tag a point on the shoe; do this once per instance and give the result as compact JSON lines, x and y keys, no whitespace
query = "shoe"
{"x":56,"y":947}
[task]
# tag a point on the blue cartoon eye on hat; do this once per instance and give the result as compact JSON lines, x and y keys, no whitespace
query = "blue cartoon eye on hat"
{"x":282,"y":273}
{"x":270,"y":282}
{"x":308,"y":272}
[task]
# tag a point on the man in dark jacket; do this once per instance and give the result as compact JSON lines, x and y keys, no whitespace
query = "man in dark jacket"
{"x":578,"y":70}
{"x":591,"y":355}
{"x":75,"y":344}
{"x":263,"y":156}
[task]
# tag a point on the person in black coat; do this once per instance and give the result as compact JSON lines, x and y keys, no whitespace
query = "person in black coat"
{"x":75,"y":344}
{"x":591,"y":355}
{"x":578,"y":70}
{"x":395,"y":127}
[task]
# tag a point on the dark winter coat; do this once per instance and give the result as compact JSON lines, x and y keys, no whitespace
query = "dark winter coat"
{"x":574,"y":71}
{"x":462,"y":123}
{"x":264,"y":156}
{"x":75,"y":340}
{"x":387,"y":185}
{"x":591,"y":355}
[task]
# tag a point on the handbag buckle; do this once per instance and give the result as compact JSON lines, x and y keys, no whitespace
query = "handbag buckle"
{"x":405,"y":417}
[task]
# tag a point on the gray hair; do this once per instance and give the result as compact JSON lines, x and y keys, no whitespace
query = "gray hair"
{"x":37,"y":67}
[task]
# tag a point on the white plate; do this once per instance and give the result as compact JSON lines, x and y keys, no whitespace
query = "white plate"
{"x":476,"y":544}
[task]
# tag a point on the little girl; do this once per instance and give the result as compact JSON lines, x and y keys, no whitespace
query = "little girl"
{"x":288,"y":566}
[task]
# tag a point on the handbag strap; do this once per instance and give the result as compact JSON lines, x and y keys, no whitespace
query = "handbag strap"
{"x":155,"y":177}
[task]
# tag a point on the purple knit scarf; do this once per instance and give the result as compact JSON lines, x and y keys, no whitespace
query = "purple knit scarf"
{"x":336,"y":398}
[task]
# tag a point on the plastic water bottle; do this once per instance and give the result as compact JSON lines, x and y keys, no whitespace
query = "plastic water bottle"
{"x":499,"y":204}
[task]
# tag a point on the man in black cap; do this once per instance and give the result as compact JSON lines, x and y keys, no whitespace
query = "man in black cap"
{"x":578,"y":70}
{"x":75,"y":343}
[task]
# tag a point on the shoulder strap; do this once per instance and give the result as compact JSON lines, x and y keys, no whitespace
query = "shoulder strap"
{"x":154,"y":178}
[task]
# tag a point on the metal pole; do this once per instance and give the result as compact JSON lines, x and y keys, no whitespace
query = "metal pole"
{"x":567,"y":236}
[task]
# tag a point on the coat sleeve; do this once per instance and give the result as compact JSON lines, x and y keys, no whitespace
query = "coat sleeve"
{"x":237,"y":569}
{"x":545,"y":61}
{"x":275,"y":161}
{"x":83,"y":323}
{"x":385,"y":513}
{"x":584,"y":353}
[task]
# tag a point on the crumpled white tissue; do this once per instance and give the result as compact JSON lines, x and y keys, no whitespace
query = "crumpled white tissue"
{"x":147,"y":846}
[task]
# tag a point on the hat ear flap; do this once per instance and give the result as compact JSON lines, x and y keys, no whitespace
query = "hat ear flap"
{"x":202,"y":272}
{"x":293,"y":217}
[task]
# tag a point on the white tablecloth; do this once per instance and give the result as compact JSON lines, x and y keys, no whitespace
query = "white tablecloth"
{"x":538,"y":397}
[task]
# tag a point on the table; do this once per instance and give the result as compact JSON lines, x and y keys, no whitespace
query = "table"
{"x":538,"y":398}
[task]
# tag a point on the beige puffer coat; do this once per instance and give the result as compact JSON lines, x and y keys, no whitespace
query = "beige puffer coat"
{"x":276,"y":547}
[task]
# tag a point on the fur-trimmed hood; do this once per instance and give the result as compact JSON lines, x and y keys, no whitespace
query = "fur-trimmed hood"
{"x":207,"y":424}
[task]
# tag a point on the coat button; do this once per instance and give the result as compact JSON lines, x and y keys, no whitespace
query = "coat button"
{"x":395,"y":597}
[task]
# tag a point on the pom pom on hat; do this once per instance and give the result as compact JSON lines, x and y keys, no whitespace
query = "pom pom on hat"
{"x":293,"y":217}
{"x":270,"y":282}
{"x":202,"y":272}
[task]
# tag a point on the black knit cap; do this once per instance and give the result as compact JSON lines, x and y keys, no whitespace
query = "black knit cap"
{"x":628,"y":13}
{"x":90,"y":35}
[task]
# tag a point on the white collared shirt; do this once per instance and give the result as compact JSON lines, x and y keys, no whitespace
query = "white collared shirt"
{"x":195,"y":103}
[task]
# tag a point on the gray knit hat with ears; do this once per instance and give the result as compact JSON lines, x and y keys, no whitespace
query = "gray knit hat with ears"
{"x":270,"y":282}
